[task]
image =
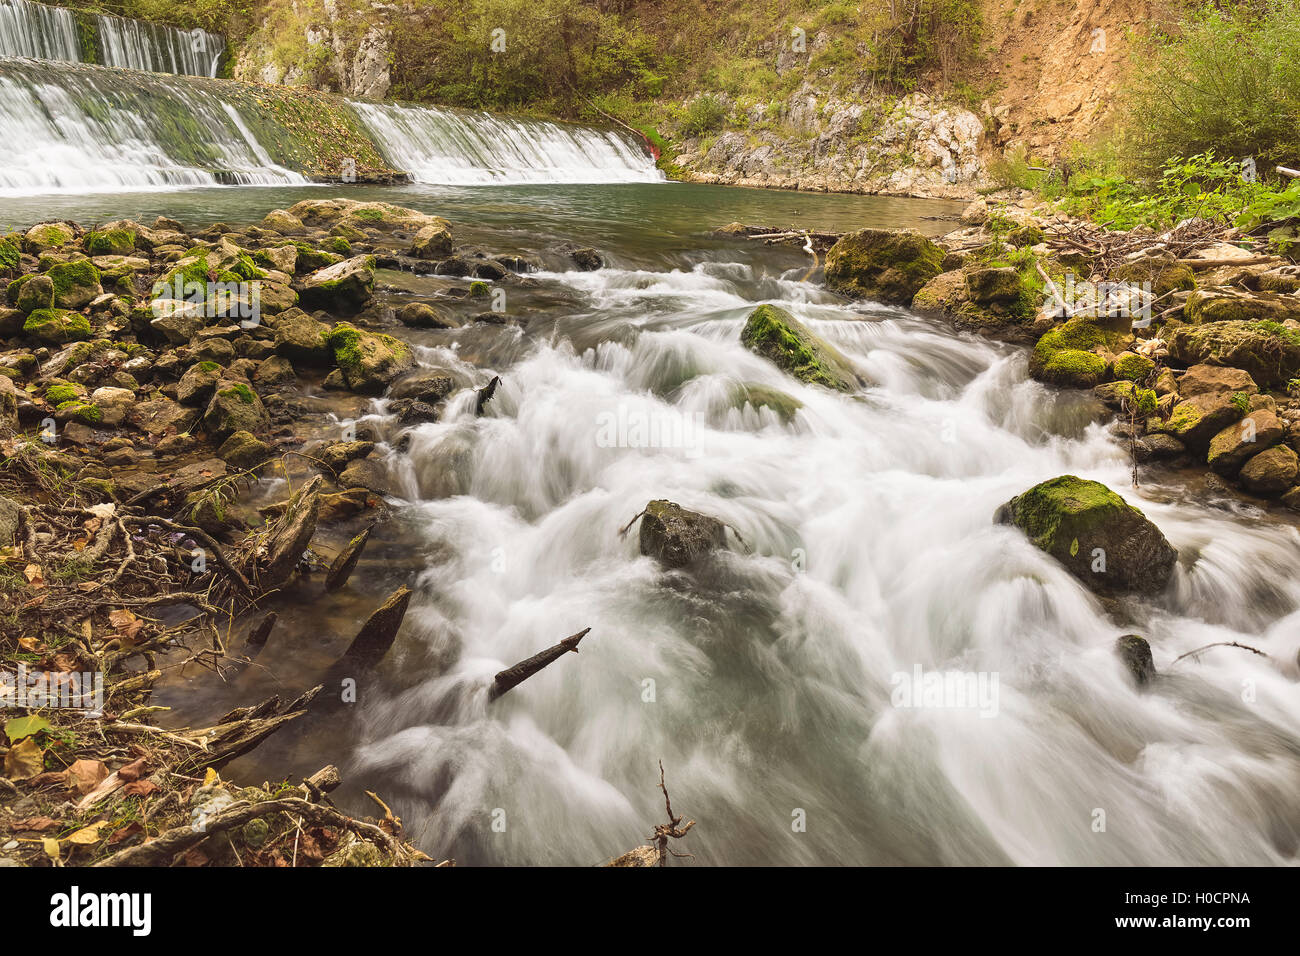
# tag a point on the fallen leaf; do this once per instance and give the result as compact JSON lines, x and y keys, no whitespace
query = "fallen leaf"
{"x":130,"y":830}
{"x":19,"y":727}
{"x":28,"y":643}
{"x":48,"y":779}
{"x":140,"y":788}
{"x":34,"y":602}
{"x":211,"y":777}
{"x":36,"y":824}
{"x":132,"y":771}
{"x":85,"y":775}
{"x":24,"y":760}
{"x":195,"y":857}
{"x":80,"y":544}
{"x":88,"y":585}
{"x":33,"y":575}
{"x":51,"y":846}
{"x":86,"y":835}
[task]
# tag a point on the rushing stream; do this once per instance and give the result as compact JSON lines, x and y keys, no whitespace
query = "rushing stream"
{"x":862,"y":549}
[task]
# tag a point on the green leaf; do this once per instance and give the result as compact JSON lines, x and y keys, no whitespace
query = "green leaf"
{"x":1074,"y":548}
{"x":20,"y":727}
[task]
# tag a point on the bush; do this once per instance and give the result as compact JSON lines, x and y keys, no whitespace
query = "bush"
{"x":703,"y":115}
{"x":1226,"y":80}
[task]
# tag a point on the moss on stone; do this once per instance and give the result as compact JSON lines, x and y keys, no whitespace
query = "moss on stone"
{"x":10,"y":255}
{"x":57,"y":326}
{"x":68,"y":277}
{"x":775,"y":334}
{"x":760,"y":396}
{"x":1133,"y":367}
{"x":110,"y":242}
{"x":58,"y":394}
{"x":242,"y":392}
{"x":880,"y":263}
{"x":86,"y":412}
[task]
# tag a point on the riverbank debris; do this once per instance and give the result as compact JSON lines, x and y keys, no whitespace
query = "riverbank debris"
{"x":517,"y":674}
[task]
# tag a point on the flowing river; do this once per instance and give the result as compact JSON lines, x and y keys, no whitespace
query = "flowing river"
{"x":863,"y":551}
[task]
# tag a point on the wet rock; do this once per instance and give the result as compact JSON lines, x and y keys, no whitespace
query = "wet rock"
{"x":337,"y":455}
{"x":368,"y":360}
{"x":1135,"y":653}
{"x":780,"y":338}
{"x":1104,"y":542}
{"x":586,"y":259}
{"x":432,"y":241}
{"x":290,"y":536}
{"x":342,"y":566}
{"x":882,"y":264}
{"x":234,"y":407}
{"x":379,"y":632}
{"x":454,"y":266}
{"x":677,"y":537}
{"x":345,"y":287}
{"x":1196,"y":420}
{"x":1232,"y":447}
{"x":431,"y":387}
{"x":36,"y":292}
{"x":760,"y":396}
{"x":421,"y":315}
{"x":371,"y":475}
{"x":244,"y":451}
{"x":1271,"y":472}
{"x":1159,"y":447}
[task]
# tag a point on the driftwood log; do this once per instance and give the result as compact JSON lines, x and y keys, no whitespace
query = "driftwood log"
{"x":517,"y":674}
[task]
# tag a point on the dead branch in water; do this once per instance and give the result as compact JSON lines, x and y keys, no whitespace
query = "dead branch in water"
{"x":656,"y":851}
{"x":513,"y":676}
{"x":1244,"y":647}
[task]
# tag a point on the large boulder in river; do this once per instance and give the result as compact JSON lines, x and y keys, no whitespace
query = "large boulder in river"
{"x":1069,"y":355}
{"x":432,"y":241}
{"x":1268,"y":351}
{"x":1102,"y":540}
{"x":1271,"y":472}
{"x":1197,"y":420}
{"x":677,"y":537}
{"x":779,"y":337}
{"x":882,"y":264}
{"x":1241,"y":441}
{"x":349,"y":213}
{"x":368,"y":360}
{"x":345,"y":287}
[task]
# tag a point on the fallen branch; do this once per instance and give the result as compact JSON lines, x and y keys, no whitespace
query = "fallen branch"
{"x":513,"y":676}
{"x":1244,"y":647}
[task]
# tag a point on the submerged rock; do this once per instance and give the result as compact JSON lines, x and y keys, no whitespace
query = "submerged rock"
{"x":783,"y":340}
{"x":1103,"y":541}
{"x":882,"y":264}
{"x":1135,"y":653}
{"x":760,"y":396}
{"x":677,"y":537}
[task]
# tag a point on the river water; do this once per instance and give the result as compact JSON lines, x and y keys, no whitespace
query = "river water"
{"x":766,"y":679}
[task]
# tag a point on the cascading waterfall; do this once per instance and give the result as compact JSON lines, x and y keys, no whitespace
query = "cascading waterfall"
{"x":764,"y":680}
{"x":38,"y":31}
{"x":158,"y":48}
{"x":458,"y":148}
{"x":41,"y":32}
{"x":85,"y":130}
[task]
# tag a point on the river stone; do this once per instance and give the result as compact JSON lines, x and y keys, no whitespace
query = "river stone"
{"x":784,"y":406}
{"x":1196,"y":420}
{"x":47,"y":236}
{"x":368,"y":360}
{"x":432,"y":241}
{"x":1203,"y":379}
{"x":57,"y":326}
{"x":1083,"y":524}
{"x":1232,"y":447}
{"x":113,"y":403}
{"x":1220,"y":305}
{"x":1269,"y":354}
{"x":882,"y":264}
{"x":421,"y":315}
{"x":76,"y":284}
{"x":336,"y":455}
{"x":780,"y":338}
{"x":273,"y":371}
{"x":371,"y":475}
{"x":283,"y":222}
{"x":243,"y":450}
{"x":1271,"y":472}
{"x":1065,"y":356}
{"x":300,"y":338}
{"x":586,"y":259}
{"x":942,"y":295}
{"x":988,"y":285}
{"x":345,"y":287}
{"x":431,"y":387}
{"x":36,"y":292}
{"x":280,"y":258}
{"x":198,"y":383}
{"x":234,"y":407}
{"x":1157,"y":447}
{"x":1135,"y":653}
{"x":677,"y":537}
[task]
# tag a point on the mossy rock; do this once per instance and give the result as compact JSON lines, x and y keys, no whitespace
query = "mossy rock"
{"x":1098,"y":537}
{"x":234,"y":407}
{"x":1268,"y":351}
{"x":1164,"y":274}
{"x":677,"y":537}
{"x":76,"y":410}
{"x":10,"y":254}
{"x":76,"y":283}
{"x":1229,"y":305}
{"x":109,"y":242}
{"x":311,"y":259}
{"x":57,"y":326}
{"x":1029,"y":234}
{"x":1196,"y":420}
{"x":58,"y":394}
{"x":761,"y":396}
{"x":1135,"y":654}
{"x":346,"y":287}
{"x":1065,"y":355}
{"x":300,"y":338}
{"x":882,"y":264}
{"x":244,"y":451}
{"x":368,"y":360}
{"x":780,"y":338}
{"x":1132,"y":367}
{"x":34,"y":294}
{"x":47,"y":236}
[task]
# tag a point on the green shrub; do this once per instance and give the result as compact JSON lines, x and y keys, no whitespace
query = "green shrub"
{"x":704,"y":114}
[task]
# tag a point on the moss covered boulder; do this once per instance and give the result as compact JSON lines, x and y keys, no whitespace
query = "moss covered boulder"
{"x":1068,"y":355}
{"x":109,"y":242}
{"x":345,"y":287}
{"x":47,"y":236}
{"x":1196,"y":420}
{"x":368,"y":360}
{"x":76,"y":284}
{"x":677,"y":537}
{"x":36,"y":292}
{"x":243,"y":450}
{"x":987,"y":285}
{"x":1268,"y":351}
{"x":882,"y":264}
{"x":782,"y":339}
{"x":1103,"y":541}
{"x":10,"y":254}
{"x":57,"y":326}
{"x":1228,"y":305}
{"x":234,"y":407}
{"x":1131,"y":367}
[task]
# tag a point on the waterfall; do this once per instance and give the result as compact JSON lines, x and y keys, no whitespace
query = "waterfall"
{"x":158,"y":48}
{"x":458,"y":147}
{"x":41,"y":32}
{"x":82,"y":129}
{"x":37,"y":31}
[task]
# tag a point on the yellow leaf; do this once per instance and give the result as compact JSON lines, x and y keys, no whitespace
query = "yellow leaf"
{"x":211,"y":777}
{"x":51,"y":846}
{"x":24,"y":760}
{"x":85,"y":836}
{"x":33,"y":575}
